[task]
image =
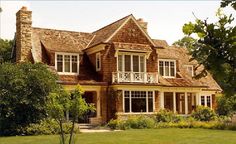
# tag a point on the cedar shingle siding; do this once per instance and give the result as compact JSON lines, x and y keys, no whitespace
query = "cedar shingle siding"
{"x":125,"y":35}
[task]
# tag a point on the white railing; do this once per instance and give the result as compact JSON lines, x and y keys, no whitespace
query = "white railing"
{"x":137,"y":77}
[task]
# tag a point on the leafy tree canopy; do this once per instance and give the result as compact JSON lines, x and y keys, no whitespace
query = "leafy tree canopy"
{"x":225,"y":3}
{"x":215,"y":48}
{"x":186,"y":42}
{"x":24,"y":88}
{"x":63,"y":101}
{"x":5,"y":49}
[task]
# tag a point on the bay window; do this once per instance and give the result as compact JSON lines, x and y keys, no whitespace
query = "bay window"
{"x":138,"y":101}
{"x":67,"y":63}
{"x":167,"y":68}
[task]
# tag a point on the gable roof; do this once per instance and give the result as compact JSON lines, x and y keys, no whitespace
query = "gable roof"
{"x":105,"y":34}
{"x":182,"y":57}
{"x":58,"y":41}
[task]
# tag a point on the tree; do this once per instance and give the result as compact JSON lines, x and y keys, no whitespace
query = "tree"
{"x":225,"y":3}
{"x":24,"y":88}
{"x":215,"y":48}
{"x":62,"y":102}
{"x":5,"y":49}
{"x":186,"y":42}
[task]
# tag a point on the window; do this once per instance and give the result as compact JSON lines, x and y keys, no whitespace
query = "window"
{"x":98,"y":61}
{"x":131,"y":63}
{"x":167,"y":68}
{"x":206,"y":101}
{"x":189,"y":69}
{"x":202,"y":100}
{"x":67,"y":63}
{"x":138,"y":101}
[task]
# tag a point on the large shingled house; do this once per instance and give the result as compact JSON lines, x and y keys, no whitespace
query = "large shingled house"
{"x":121,"y":68}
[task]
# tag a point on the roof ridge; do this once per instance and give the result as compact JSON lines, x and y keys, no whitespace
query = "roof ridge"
{"x":62,"y":30}
{"x":113,"y":23}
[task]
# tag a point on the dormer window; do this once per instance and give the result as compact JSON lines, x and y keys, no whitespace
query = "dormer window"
{"x":67,"y":63}
{"x":189,"y":69}
{"x":167,"y":68}
{"x":98,"y":61}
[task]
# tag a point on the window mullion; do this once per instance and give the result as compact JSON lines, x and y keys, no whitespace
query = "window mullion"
{"x":147,"y":110}
{"x":130,"y":107}
{"x":71,"y":63}
{"x":169,"y":69}
{"x":63,"y":61}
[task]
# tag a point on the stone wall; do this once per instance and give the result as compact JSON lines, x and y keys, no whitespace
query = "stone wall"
{"x":23,"y":35}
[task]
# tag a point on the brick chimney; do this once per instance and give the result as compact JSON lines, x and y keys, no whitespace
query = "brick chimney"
{"x":23,"y":35}
{"x":143,"y":24}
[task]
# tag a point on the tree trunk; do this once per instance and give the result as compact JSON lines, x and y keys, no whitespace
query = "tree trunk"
{"x":62,"y":133}
{"x":72,"y":130}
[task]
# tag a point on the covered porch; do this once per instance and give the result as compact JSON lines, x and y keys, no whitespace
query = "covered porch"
{"x":184,"y":102}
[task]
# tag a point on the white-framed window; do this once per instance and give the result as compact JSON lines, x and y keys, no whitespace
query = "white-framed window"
{"x":167,"y":68}
{"x":131,"y":62}
{"x":206,"y":101}
{"x":189,"y":69}
{"x":98,"y":61}
{"x":67,"y":63}
{"x":138,"y":101}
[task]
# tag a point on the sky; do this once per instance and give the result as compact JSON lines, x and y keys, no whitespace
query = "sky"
{"x":165,"y":18}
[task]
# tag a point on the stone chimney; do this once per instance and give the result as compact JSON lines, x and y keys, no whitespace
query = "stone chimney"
{"x":23,"y":35}
{"x":143,"y":24}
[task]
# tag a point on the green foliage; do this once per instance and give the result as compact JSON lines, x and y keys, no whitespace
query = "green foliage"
{"x":186,"y":42}
{"x":61,"y":102}
{"x":215,"y":48}
{"x":167,"y":116}
{"x":5,"y":49}
{"x":204,"y":114}
{"x":226,"y":105}
{"x":133,"y":122}
{"x":47,"y":127}
{"x":24,"y":88}
{"x":225,"y":3}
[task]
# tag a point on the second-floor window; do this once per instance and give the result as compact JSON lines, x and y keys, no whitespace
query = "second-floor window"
{"x":131,"y":63}
{"x":167,"y":68}
{"x":67,"y":63}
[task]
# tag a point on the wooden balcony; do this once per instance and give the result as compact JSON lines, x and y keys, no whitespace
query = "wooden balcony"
{"x":134,"y":77}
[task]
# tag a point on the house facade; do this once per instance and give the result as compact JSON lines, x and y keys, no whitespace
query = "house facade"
{"x":121,"y":68}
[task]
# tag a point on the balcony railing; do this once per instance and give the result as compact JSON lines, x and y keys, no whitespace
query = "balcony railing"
{"x":136,"y":77}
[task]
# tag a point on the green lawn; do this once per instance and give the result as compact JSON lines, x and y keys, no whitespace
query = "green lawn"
{"x":145,"y":136}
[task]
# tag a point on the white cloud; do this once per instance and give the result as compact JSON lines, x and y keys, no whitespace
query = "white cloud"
{"x":8,"y":17}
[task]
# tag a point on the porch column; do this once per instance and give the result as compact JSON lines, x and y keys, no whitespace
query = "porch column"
{"x":186,"y":102}
{"x":98,"y":104}
{"x":174,"y":102}
{"x":197,"y":99}
{"x":161,"y":99}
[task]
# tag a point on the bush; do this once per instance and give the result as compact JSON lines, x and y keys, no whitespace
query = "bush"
{"x":204,"y":114}
{"x":46,"y":127}
{"x":167,"y":116}
{"x":133,"y":122}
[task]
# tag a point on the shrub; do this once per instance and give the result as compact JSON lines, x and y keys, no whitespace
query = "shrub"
{"x":113,"y":124}
{"x":204,"y":114}
{"x":46,"y":127}
{"x":133,"y":122}
{"x":167,"y":116}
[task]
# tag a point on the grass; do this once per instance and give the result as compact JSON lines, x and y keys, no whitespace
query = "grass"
{"x":144,"y":136}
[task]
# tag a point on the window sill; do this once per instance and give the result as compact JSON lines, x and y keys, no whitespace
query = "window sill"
{"x":134,"y":113}
{"x":168,"y":76}
{"x":66,"y":73}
